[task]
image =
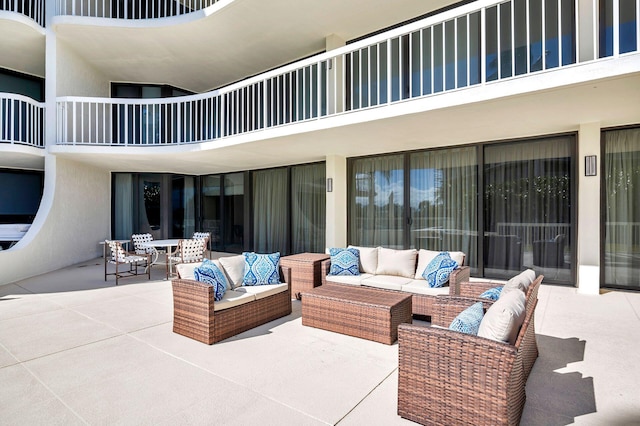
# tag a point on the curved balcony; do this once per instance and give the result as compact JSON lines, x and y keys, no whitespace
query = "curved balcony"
{"x":470,"y":46}
{"x":131,"y":10}
{"x":33,"y":9}
{"x":21,"y":121}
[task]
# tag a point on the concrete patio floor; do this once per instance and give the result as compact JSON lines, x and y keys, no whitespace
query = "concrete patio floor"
{"x":75,"y":349}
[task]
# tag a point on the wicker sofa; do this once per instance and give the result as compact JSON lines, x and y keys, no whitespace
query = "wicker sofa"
{"x":197,"y":315}
{"x":400,"y":270}
{"x":469,"y":379}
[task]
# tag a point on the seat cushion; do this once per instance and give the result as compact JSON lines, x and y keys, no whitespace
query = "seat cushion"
{"x":389,"y":282}
{"x":233,"y":298}
{"x":503,"y":319}
{"x":234,"y":268}
{"x":401,"y":263}
{"x":261,"y":269}
{"x":344,"y":261}
{"x":262,"y":291}
{"x":368,"y":259}
{"x":421,"y":287}
{"x":347,"y":279}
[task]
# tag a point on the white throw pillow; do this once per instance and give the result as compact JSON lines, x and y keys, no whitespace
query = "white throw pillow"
{"x":186,"y":271}
{"x":397,"y":262}
{"x":368,"y":259}
{"x":234,"y":268}
{"x":503,"y":319}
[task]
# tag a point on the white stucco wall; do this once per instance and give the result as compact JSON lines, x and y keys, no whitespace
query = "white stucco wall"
{"x":76,"y":77}
{"x":336,"y":204}
{"x":74,"y":215}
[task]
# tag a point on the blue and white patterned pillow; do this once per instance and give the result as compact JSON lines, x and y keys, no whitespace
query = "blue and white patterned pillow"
{"x":209,"y":273}
{"x":492,"y":293}
{"x":344,"y":261}
{"x":261,"y":269}
{"x":438,"y":270}
{"x":468,"y":321}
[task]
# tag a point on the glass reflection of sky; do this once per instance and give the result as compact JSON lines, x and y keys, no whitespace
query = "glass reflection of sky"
{"x":424,"y":186}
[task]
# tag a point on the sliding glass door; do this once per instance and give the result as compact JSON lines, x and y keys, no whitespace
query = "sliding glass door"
{"x":621,"y":201}
{"x":528,"y":208}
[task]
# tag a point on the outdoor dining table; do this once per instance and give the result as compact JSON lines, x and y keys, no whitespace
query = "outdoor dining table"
{"x":155,"y":244}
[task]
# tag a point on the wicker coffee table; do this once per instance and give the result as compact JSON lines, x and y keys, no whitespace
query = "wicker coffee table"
{"x":357,"y":311}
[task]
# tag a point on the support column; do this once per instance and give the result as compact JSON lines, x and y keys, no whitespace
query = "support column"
{"x":50,"y":85}
{"x":336,"y":204}
{"x":588,"y":241}
{"x":336,"y":75}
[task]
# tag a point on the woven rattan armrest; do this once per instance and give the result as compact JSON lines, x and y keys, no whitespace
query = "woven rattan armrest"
{"x":475,"y":288}
{"x":458,"y":275}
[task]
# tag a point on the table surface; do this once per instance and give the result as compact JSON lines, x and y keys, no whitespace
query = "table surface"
{"x":306,"y":257}
{"x":358,"y":294}
{"x":161,"y":243}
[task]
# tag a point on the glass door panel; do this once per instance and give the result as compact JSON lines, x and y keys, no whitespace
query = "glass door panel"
{"x":234,"y":212}
{"x":528,"y":208}
{"x":443,"y":201}
{"x":183,"y":206}
{"x":377,"y":202}
{"x":150,"y":205}
{"x":211,"y":210}
{"x":622,"y":208}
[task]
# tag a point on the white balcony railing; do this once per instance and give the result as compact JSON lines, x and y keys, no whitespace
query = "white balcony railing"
{"x":137,"y":9}
{"x":21,"y":120}
{"x":33,"y":9}
{"x":474,"y":44}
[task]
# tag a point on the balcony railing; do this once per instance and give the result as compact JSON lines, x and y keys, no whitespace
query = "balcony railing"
{"x":136,"y":9}
{"x":33,"y":9}
{"x":475,"y":44}
{"x":21,"y":120}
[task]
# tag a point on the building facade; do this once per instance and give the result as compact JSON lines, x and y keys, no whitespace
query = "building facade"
{"x":509,"y":130}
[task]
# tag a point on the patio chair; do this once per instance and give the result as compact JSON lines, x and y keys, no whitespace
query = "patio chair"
{"x":206,"y":236}
{"x":119,"y":256}
{"x":138,"y":249}
{"x":187,"y":251}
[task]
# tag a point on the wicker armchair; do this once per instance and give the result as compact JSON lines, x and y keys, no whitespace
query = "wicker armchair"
{"x":446,"y":377}
{"x":119,"y":257}
{"x":187,"y":251}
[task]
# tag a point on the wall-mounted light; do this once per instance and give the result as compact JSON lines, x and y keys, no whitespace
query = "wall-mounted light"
{"x":329,"y":184}
{"x":590,"y":165}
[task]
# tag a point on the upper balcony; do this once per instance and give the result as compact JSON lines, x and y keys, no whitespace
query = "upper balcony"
{"x":475,"y":53}
{"x":32,"y":9}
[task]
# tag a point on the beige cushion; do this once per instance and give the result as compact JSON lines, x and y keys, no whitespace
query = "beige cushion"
{"x":347,"y":279}
{"x":397,"y":262}
{"x":426,"y":256}
{"x":503,"y":319}
{"x":389,"y":282}
{"x":234,"y":268}
{"x":521,"y":282}
{"x":421,"y":287}
{"x":233,"y":298}
{"x":186,"y":270}
{"x":368,"y":259}
{"x":262,"y":291}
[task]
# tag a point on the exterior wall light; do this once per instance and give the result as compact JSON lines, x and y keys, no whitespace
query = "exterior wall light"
{"x":329,"y":184}
{"x":590,"y":165}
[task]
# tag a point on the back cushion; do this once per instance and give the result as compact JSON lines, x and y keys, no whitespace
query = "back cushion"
{"x":234,"y":268}
{"x":503,"y":319}
{"x":368,"y":259}
{"x":521,"y":282}
{"x":186,"y":270}
{"x":397,"y":262}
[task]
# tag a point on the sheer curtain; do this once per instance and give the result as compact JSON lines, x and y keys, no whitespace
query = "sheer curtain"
{"x":270,"y":207}
{"x":308,"y":208}
{"x":376,"y":206}
{"x":123,"y":206}
{"x":622,"y":208}
{"x":443,"y":200}
{"x":528,"y":211}
{"x":189,"y":207}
